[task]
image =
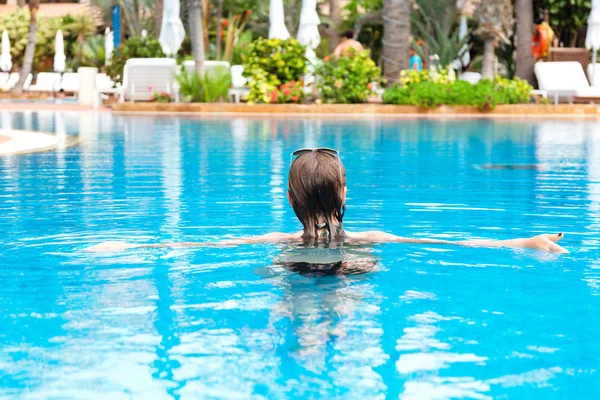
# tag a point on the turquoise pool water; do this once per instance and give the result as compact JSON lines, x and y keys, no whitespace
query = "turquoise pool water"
{"x":428,"y":322}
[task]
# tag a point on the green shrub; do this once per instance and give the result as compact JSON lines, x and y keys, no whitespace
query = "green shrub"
{"x":347,"y":79}
{"x":484,"y":95}
{"x":409,"y":76}
{"x":211,"y":88}
{"x":134,"y":47}
{"x":270,"y":63}
{"x":283,"y":58}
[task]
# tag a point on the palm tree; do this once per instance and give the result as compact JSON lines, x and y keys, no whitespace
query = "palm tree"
{"x":332,"y":31}
{"x":196,"y":33}
{"x":34,"y":5}
{"x":495,"y":19}
{"x":525,"y":61}
{"x":83,"y":26}
{"x":396,"y":33}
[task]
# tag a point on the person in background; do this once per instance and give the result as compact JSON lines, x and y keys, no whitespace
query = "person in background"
{"x":348,"y":42}
{"x":415,"y":62}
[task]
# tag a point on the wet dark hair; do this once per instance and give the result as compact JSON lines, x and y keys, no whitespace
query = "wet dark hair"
{"x":348,"y":34}
{"x":316,"y":185}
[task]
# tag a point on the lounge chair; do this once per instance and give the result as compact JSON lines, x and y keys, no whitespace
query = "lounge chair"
{"x":142,"y":77}
{"x":565,"y":81}
{"x":104,"y":83}
{"x":238,"y":90}
{"x":70,"y":82}
{"x":471,"y":77}
{"x":13,"y":79}
{"x":3,"y":78}
{"x":593,"y":75}
{"x":46,"y":82}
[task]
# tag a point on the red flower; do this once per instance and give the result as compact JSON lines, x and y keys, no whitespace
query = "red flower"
{"x":225,"y":23}
{"x":327,"y":58}
{"x":287,"y":91}
{"x":274,"y":96}
{"x":370,"y":86}
{"x":295,"y":98}
{"x":149,"y":88}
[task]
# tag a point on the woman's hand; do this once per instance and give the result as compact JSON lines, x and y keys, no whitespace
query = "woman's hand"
{"x":546,"y":243}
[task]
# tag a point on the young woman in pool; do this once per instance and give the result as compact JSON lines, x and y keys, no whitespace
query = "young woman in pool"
{"x":317,"y":193}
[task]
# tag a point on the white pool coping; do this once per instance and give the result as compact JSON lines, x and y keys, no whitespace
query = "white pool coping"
{"x":21,"y":142}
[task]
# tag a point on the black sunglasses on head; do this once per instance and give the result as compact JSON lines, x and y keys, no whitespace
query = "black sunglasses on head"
{"x":325,"y":150}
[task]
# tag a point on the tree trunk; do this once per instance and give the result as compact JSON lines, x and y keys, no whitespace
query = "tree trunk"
{"x":158,"y":14}
{"x":525,"y":61}
{"x":332,"y":32}
{"x":396,"y":33}
{"x":487,"y":69}
{"x":196,"y":33}
{"x":205,"y":21}
{"x":219,"y":28}
{"x":30,"y":48}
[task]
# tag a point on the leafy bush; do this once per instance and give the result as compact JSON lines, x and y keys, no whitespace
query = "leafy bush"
{"x":211,"y":88}
{"x":347,"y":79}
{"x":409,"y":76}
{"x":484,"y":95}
{"x":283,"y":58}
{"x":271,"y":63}
{"x":162,"y":97}
{"x":134,"y":47}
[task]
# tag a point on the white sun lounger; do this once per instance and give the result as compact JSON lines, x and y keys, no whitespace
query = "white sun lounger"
{"x":238,"y":90}
{"x":70,"y":82}
{"x":46,"y":82}
{"x":564,"y":81}
{"x":142,"y":77}
{"x":12,"y":80}
{"x":104,"y":83}
{"x":3,"y":78}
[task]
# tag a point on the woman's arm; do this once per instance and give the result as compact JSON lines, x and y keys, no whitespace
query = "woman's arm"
{"x":268,"y":238}
{"x":546,"y":243}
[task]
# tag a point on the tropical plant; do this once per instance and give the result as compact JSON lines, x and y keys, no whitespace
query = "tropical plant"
{"x":347,"y":79}
{"x":93,"y":53}
{"x":235,"y":30}
{"x":409,"y":77}
{"x":495,"y":18}
{"x":134,"y":47}
{"x":82,"y":26}
{"x":213,"y":86}
{"x":396,"y":32}
{"x":28,"y":58}
{"x":447,"y":47}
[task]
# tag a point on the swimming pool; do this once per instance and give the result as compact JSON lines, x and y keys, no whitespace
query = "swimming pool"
{"x":430,"y":322}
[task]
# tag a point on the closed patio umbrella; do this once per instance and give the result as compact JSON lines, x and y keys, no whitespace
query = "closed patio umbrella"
{"x":592,"y":38}
{"x":5,"y":60}
{"x":308,"y":32}
{"x":59,"y":53}
{"x":109,"y":45}
{"x":277,"y":28}
{"x":172,"y":32}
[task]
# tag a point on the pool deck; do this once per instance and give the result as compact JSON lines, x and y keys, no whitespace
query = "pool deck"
{"x":369,"y":110}
{"x":520,"y":111}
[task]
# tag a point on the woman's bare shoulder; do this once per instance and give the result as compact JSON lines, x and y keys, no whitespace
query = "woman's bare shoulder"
{"x":371,"y":236}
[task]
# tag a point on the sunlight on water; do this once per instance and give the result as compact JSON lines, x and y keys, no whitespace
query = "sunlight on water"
{"x":407,"y":322}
